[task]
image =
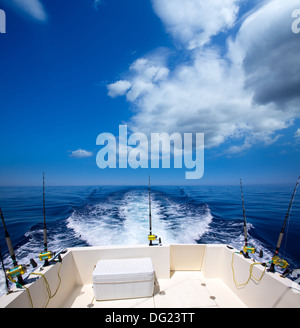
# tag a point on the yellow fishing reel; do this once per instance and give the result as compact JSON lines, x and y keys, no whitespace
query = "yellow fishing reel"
{"x":45,"y":256}
{"x":276,"y":260}
{"x":16,"y":272}
{"x":249,"y":249}
{"x":152,"y":237}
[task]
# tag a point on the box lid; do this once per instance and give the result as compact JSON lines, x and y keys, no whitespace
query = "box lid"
{"x":123,"y":270}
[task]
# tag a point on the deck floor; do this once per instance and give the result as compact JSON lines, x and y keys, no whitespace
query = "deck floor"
{"x":185,"y":289}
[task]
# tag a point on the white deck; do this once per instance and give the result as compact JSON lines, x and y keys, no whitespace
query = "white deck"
{"x":186,"y":276}
{"x":185,"y":289}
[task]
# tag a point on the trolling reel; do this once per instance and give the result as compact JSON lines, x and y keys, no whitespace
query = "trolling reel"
{"x":281,"y":263}
{"x":45,"y":256}
{"x":15,"y":272}
{"x":154,"y":238}
{"x":51,"y":257}
{"x":249,"y":249}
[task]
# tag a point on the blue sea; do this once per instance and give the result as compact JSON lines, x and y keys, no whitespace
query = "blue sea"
{"x":117,"y":215}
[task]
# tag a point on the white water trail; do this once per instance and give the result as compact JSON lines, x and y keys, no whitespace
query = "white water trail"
{"x":126,"y":221}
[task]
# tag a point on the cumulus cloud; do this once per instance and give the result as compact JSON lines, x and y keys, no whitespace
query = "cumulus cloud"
{"x":241,"y":98}
{"x":194,"y":22}
{"x":33,"y":8}
{"x":297,"y":134}
{"x":271,"y":53}
{"x":118,"y":88}
{"x":146,"y":74}
{"x":81,"y":153}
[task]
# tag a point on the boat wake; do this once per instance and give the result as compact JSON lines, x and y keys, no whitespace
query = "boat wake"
{"x":126,"y":220}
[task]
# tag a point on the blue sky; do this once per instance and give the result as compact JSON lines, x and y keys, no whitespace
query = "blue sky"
{"x":71,"y":70}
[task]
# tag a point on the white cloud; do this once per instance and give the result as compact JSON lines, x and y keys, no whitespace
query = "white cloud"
{"x":194,"y":22}
{"x":228,"y":97}
{"x":145,"y":74}
{"x":297,"y":134}
{"x":204,"y":96}
{"x":33,"y":8}
{"x":270,"y":53}
{"x":118,"y":88}
{"x":81,"y":153}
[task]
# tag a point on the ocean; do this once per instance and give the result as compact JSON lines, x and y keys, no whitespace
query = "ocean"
{"x":117,"y":215}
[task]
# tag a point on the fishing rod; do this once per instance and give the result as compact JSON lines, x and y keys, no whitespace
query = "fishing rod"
{"x":4,"y":271}
{"x":45,"y":255}
{"x":151,"y":237}
{"x":247,"y":248}
{"x":18,"y":270}
{"x":276,"y":260}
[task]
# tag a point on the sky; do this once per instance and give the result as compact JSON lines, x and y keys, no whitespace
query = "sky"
{"x":72,"y":70}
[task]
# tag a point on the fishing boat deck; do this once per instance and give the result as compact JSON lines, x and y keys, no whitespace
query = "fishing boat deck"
{"x":184,"y":289}
{"x":185,"y":276}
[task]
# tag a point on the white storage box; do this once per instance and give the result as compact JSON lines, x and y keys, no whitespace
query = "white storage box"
{"x":124,"y":278}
